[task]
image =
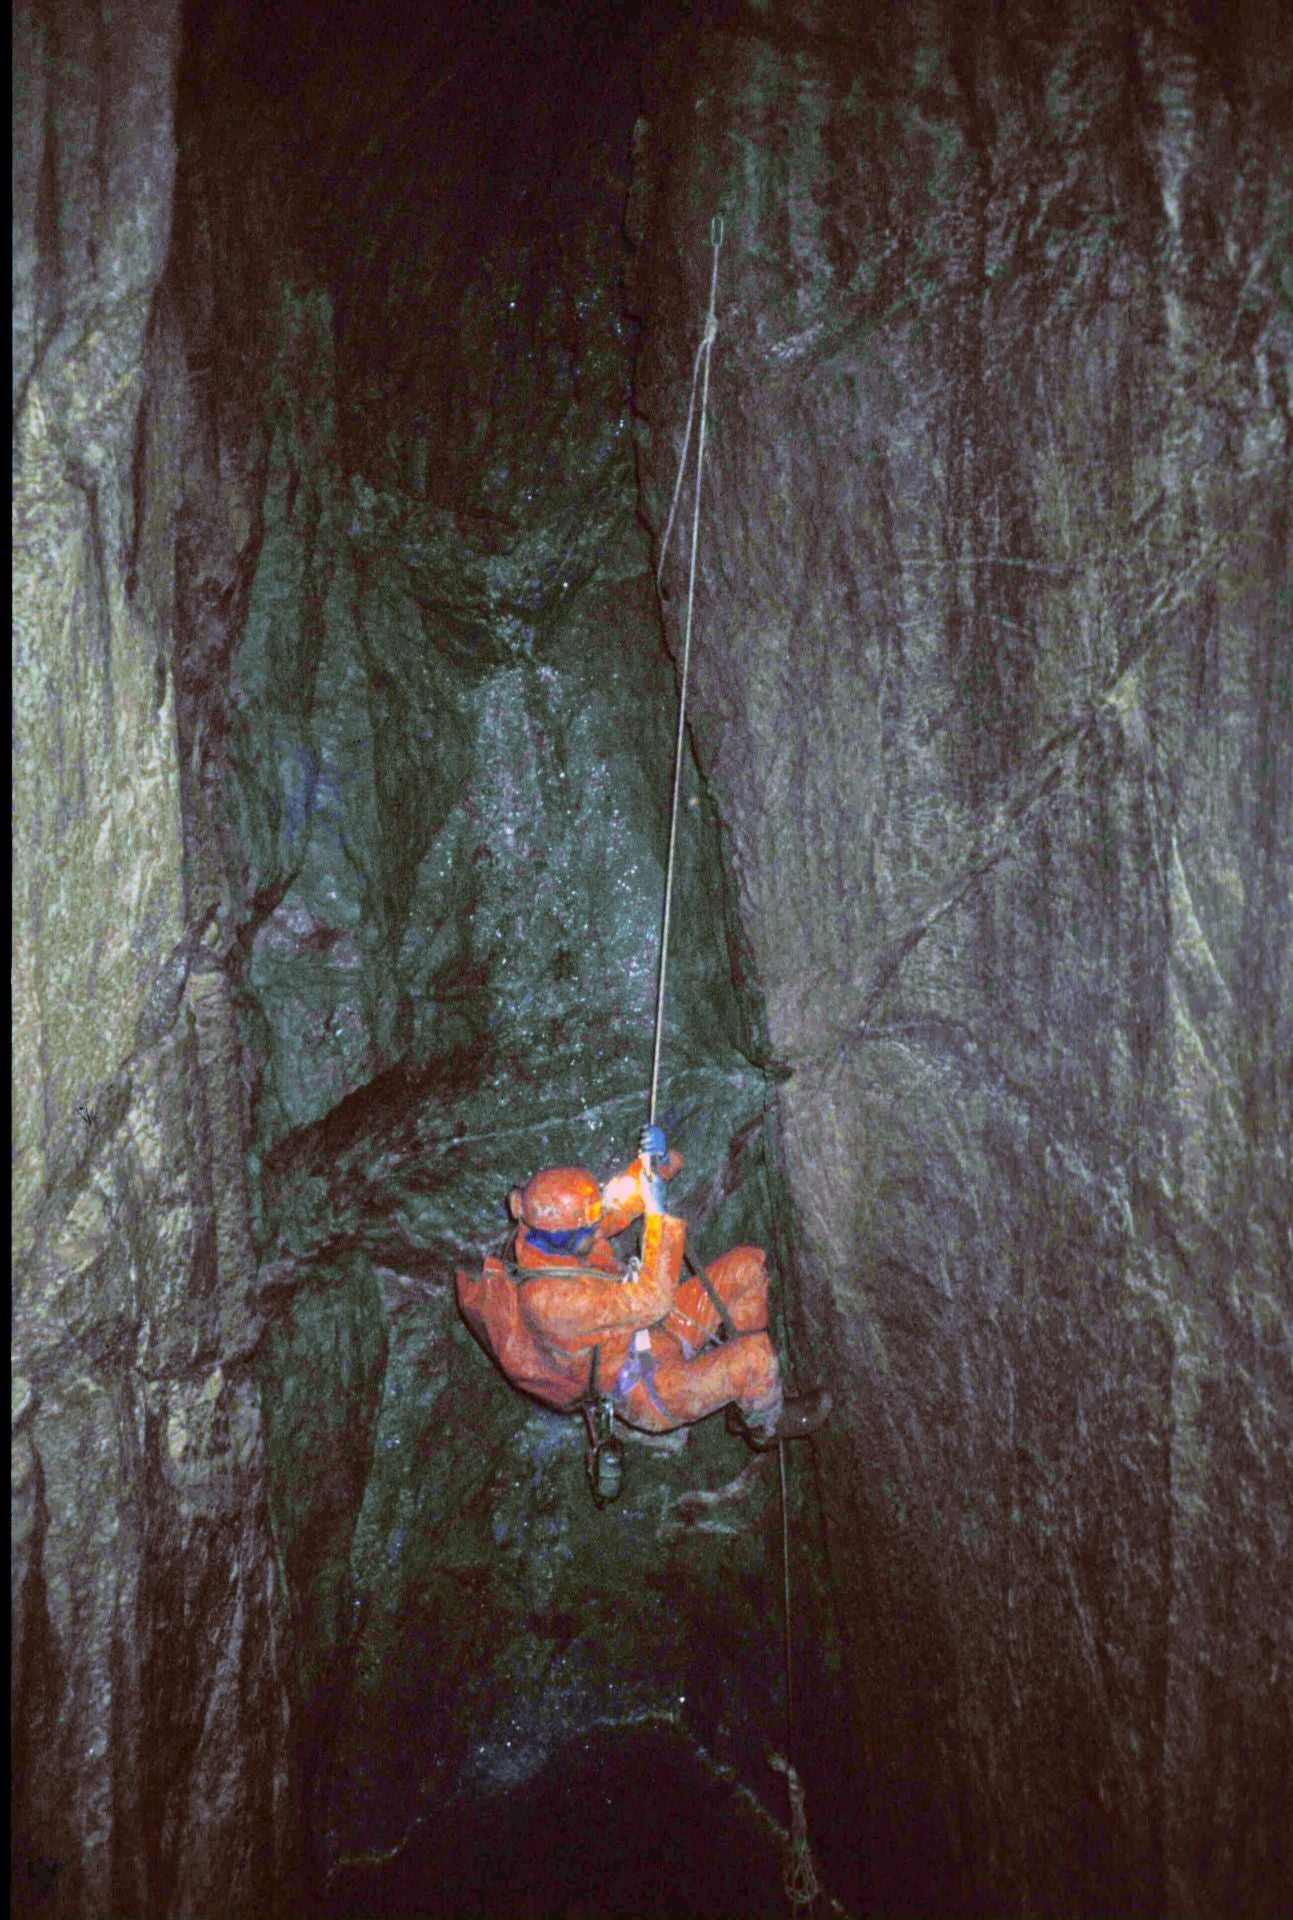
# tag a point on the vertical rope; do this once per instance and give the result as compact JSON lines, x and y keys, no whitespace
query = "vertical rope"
{"x":799,"y":1876}
{"x":705,"y":349}
{"x":682,"y":457}
{"x":785,"y":1565}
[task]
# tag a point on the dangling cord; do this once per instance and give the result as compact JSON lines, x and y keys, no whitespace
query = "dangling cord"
{"x":705,"y":349}
{"x":800,"y":1876}
{"x":785,"y":1567}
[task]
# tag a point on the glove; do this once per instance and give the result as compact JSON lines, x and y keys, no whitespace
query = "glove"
{"x":651,"y":1187}
{"x":652,"y":1143}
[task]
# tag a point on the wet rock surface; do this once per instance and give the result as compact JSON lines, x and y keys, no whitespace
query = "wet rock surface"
{"x":150,"y":1766}
{"x":992,"y":689}
{"x":351,"y":368}
{"x":447,"y":806}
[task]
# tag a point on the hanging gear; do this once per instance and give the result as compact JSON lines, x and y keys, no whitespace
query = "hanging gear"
{"x":639,"y":1370}
{"x":604,"y":1454}
{"x":653,"y":1149}
{"x":604,"y":1457}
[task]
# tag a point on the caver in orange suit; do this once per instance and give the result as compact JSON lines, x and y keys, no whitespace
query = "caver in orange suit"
{"x":566,"y":1319}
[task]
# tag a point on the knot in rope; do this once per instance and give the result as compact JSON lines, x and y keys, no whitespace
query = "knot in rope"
{"x":799,"y":1876}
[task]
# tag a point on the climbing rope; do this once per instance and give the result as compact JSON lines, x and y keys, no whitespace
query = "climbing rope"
{"x":701,"y":367}
{"x":785,"y":1567}
{"x":799,"y":1877}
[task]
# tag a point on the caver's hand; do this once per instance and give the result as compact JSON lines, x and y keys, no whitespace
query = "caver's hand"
{"x":650,"y":1186}
{"x":653,"y":1151}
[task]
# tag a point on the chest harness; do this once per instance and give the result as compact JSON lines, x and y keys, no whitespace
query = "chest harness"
{"x":604,"y":1454}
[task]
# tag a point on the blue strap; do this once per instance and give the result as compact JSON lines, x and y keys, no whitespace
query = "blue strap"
{"x":640,"y":1367}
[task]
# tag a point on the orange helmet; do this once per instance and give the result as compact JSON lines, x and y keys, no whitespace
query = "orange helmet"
{"x":561,"y":1199}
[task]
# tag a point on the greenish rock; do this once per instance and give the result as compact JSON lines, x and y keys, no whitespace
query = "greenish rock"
{"x":149,"y":1734}
{"x":449,"y":775}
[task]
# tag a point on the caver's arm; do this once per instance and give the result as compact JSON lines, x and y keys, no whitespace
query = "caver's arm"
{"x":580,"y":1306}
{"x":622,"y":1195}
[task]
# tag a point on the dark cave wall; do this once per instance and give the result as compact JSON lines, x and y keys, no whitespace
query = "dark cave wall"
{"x":449,"y":726}
{"x":370,"y":885}
{"x":150,"y":1731}
{"x":325,"y":518}
{"x":992,"y":687}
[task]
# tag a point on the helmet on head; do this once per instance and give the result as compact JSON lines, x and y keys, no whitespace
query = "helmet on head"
{"x":559,"y":1200}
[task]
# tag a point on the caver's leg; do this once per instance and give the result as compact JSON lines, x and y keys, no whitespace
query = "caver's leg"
{"x":674,"y":1391}
{"x":740,"y":1279}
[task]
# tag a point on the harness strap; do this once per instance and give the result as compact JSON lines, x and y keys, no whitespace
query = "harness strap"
{"x":639,"y":1369}
{"x":522,"y":1275}
{"x":631,"y":1373}
{"x":715,"y":1299}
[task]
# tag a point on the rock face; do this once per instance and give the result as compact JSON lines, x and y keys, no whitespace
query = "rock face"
{"x":351,"y":372}
{"x":992,"y":688}
{"x":450,"y":725}
{"x":149,"y":1733}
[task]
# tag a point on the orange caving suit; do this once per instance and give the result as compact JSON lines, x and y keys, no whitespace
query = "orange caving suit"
{"x":559,"y":1329}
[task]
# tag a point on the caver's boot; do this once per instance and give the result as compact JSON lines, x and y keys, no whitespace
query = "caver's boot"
{"x":798,"y":1416}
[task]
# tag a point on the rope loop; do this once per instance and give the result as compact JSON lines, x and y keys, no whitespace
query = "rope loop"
{"x":799,"y":1876}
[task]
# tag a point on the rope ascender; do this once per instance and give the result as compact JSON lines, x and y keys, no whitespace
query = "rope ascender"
{"x":700,"y":368}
